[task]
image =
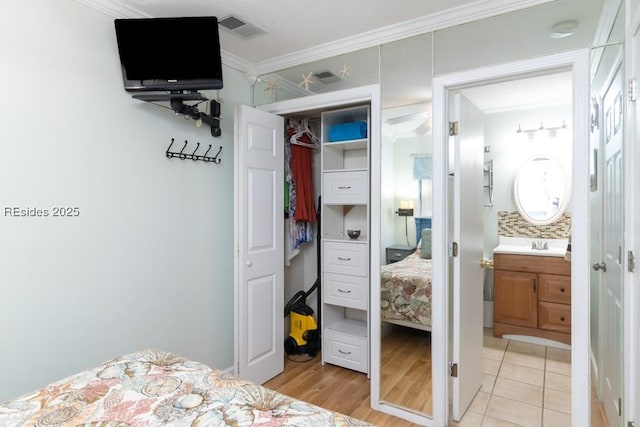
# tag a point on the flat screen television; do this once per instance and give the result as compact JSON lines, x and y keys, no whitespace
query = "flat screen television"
{"x":169,"y":54}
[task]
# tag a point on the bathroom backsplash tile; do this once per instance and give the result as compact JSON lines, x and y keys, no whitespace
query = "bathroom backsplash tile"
{"x":512,"y":224}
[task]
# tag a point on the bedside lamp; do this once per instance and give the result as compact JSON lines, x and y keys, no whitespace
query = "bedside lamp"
{"x":405,"y":210}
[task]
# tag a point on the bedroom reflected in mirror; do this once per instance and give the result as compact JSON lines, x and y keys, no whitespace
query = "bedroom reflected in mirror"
{"x":405,"y":276}
{"x":541,"y":191}
{"x":404,"y":370}
{"x":406,"y":326}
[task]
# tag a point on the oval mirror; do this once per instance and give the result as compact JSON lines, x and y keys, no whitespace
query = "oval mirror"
{"x":541,"y":191}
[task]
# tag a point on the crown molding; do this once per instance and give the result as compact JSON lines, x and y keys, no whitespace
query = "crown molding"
{"x":240,"y":64}
{"x":471,"y":12}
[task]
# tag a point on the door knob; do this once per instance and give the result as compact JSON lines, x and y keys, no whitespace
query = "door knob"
{"x":248,"y":263}
{"x":600,"y":266}
{"x":486,"y":263}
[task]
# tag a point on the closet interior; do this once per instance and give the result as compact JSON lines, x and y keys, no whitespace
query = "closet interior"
{"x":327,"y":160}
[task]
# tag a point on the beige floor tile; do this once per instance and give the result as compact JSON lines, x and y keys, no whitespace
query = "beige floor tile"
{"x":522,"y":392}
{"x":487,"y":383}
{"x":495,"y":342}
{"x":555,"y":419}
{"x":490,"y":367}
{"x":480,"y":402}
{"x":558,"y":367}
{"x":514,"y":412}
{"x":523,"y":359}
{"x":522,"y":373}
{"x":471,"y":419}
{"x":494,"y":422}
{"x":557,"y":382}
{"x":558,"y":354}
{"x":557,"y":400}
{"x":493,"y":353}
{"x":527,"y":348}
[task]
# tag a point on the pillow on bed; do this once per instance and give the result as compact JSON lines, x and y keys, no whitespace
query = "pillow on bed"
{"x":425,"y":248}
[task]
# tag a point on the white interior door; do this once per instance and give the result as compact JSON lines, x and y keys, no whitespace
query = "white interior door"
{"x":612,"y":267}
{"x":468,"y":153}
{"x":259,"y":266}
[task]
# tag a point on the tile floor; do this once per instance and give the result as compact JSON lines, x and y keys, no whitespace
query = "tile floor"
{"x":524,"y":385}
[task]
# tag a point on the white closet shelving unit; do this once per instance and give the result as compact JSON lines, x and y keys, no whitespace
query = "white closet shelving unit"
{"x":345,"y":261}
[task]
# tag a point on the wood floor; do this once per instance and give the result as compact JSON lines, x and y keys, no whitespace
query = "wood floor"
{"x":331,"y":387}
{"x":406,"y":368}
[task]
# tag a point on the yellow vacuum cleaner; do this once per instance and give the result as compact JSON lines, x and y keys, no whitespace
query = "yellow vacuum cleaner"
{"x":305,"y":334}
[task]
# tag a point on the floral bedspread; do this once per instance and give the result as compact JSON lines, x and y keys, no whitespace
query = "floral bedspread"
{"x":405,"y":288}
{"x":151,"y":388}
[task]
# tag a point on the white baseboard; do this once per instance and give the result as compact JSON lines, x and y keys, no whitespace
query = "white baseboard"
{"x":537,"y":340}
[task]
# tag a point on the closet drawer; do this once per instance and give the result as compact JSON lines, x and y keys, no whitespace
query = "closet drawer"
{"x":554,"y":317}
{"x":345,"y":258}
{"x":346,"y":291}
{"x":345,"y":188}
{"x":345,"y":350}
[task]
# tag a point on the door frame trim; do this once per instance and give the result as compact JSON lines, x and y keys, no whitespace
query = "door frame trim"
{"x":578,"y":62}
{"x":631,"y":290}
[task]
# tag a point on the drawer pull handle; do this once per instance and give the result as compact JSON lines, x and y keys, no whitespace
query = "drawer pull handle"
{"x":535,"y":282}
{"x":344,"y":352}
{"x":562,"y":318}
{"x":343,"y":187}
{"x":343,"y":291}
{"x":344,"y":259}
{"x":397,"y":254}
{"x":561,"y":289}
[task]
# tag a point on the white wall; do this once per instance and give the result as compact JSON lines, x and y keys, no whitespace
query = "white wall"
{"x":510,"y":150}
{"x":148,"y":262}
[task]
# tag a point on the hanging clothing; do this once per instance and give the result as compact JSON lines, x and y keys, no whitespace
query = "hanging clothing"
{"x":298,"y":231}
{"x":301,"y":167}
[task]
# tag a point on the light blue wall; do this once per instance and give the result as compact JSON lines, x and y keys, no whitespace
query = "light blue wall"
{"x":148,"y":262}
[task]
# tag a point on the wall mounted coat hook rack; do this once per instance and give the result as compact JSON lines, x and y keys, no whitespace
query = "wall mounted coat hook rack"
{"x":193,"y":156}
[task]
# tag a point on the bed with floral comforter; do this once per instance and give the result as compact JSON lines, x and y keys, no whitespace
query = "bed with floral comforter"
{"x":405,"y":288}
{"x":151,"y":388}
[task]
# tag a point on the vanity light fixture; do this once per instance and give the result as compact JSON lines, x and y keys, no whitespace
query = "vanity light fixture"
{"x":552,"y":130}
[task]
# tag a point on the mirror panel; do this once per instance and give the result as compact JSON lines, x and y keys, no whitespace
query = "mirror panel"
{"x":541,"y":191}
{"x":405,"y":281}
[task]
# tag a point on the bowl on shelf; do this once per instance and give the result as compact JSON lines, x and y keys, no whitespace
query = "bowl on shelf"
{"x":353,"y":234}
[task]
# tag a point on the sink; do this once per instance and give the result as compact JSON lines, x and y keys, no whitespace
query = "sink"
{"x":531,"y":246}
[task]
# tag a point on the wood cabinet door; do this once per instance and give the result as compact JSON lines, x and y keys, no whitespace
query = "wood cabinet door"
{"x":515,"y":298}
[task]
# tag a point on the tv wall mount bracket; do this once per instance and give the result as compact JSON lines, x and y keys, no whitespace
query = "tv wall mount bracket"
{"x":177,"y":105}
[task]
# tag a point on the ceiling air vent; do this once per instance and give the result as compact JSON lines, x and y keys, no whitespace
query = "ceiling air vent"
{"x":326,"y":76}
{"x":240,"y":27}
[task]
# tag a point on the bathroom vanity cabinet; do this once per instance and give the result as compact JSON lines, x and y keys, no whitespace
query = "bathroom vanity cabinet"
{"x":532,"y":296}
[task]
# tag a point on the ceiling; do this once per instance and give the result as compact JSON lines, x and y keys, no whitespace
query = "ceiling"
{"x":312,"y":28}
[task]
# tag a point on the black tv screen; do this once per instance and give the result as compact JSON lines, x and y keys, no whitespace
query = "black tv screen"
{"x":169,"y":54}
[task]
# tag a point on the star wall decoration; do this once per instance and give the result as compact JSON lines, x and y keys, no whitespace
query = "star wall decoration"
{"x":306,"y":81}
{"x":345,"y":71}
{"x":271,"y":86}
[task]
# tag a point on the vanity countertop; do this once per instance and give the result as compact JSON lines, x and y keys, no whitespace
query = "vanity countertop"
{"x":531,"y":246}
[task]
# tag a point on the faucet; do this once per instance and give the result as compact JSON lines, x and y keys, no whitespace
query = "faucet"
{"x":539,"y":245}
